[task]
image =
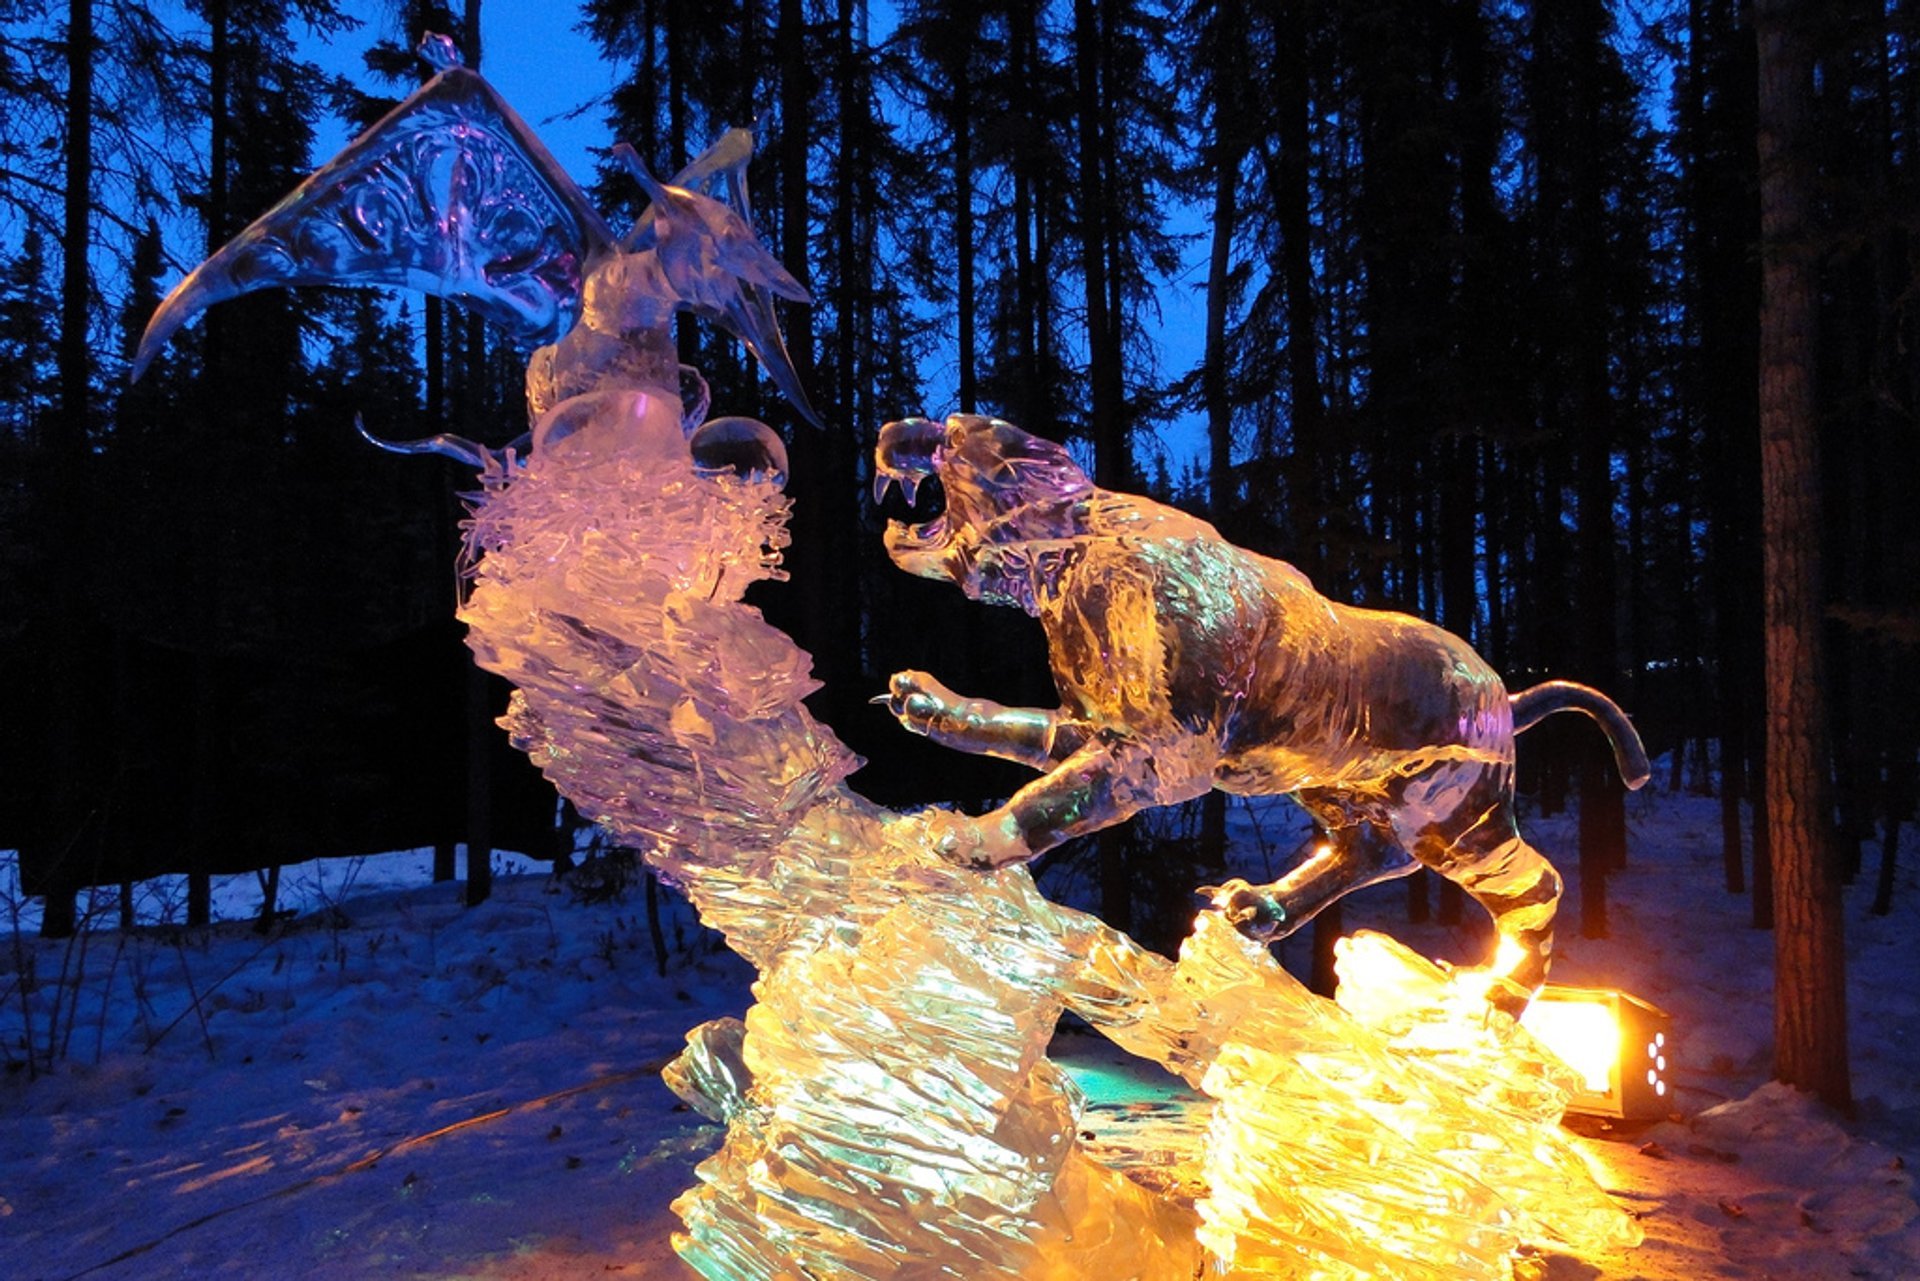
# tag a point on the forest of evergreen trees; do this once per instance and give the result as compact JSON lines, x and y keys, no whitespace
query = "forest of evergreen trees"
{"x":1481,"y":285}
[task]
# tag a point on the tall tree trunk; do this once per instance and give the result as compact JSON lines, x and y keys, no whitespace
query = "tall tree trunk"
{"x":1112,"y":463}
{"x":794,"y":113}
{"x":851,"y":161}
{"x":219,"y":171}
{"x":1293,"y":194}
{"x":1310,"y":458}
{"x":810,"y":557}
{"x":434,"y":309}
{"x":481,"y":729}
{"x":678,"y":87}
{"x":470,"y":32}
{"x":1229,"y":150}
{"x":1046,"y":351}
{"x":208,"y":705}
{"x":649,"y":78}
{"x":1497,"y":641}
{"x":1716,"y":129}
{"x":1027,"y":389}
{"x":434,"y":314}
{"x":1468,"y":456}
{"x":1810,"y":990}
{"x":480,"y":732}
{"x":1213,"y":370}
{"x":963,"y":228}
{"x":74,"y":360}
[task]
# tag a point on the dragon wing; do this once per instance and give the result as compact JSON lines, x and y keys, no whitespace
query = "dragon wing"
{"x":450,"y":193}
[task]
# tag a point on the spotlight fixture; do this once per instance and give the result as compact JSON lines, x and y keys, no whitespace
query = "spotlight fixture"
{"x":1619,"y":1044}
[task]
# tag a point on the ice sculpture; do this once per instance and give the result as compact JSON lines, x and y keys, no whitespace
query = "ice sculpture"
{"x":452,"y":194}
{"x":890,"y":1108}
{"x":1185,"y":663}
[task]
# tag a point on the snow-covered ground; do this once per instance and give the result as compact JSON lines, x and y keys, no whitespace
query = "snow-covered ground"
{"x":394,"y":1085}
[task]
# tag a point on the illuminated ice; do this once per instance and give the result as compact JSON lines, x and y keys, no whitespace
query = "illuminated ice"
{"x":890,"y":1108}
{"x":1184,"y":663}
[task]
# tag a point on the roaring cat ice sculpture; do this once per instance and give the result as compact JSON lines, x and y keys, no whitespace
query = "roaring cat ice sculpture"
{"x":1185,"y":663}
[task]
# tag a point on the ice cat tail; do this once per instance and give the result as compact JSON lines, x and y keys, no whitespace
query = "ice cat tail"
{"x":1531,"y":706}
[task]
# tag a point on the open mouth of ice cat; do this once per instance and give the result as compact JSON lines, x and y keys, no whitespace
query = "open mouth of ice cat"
{"x":982,"y":488}
{"x":907,"y":459}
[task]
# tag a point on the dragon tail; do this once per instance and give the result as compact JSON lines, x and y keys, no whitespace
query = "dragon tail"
{"x":1530,"y":706}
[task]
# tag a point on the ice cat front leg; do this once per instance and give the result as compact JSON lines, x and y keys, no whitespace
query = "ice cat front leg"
{"x":1034,"y":737}
{"x":1112,"y":777}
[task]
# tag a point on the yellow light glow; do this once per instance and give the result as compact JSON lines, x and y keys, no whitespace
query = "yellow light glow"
{"x":1314,"y":863}
{"x":1507,"y":956}
{"x":1585,"y":1034}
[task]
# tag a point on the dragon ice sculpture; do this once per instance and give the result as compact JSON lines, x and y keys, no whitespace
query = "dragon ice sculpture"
{"x":453,"y":195}
{"x":1185,"y":663}
{"x":888,"y":1103}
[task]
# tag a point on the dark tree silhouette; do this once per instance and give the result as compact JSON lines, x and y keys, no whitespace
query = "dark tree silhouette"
{"x":1810,"y":987}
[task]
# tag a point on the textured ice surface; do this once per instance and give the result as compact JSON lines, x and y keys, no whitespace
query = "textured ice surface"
{"x":452,"y":194}
{"x":1185,"y":663}
{"x":889,"y":1106}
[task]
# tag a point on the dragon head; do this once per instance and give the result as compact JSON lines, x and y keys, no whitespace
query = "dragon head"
{"x":1013,"y":500}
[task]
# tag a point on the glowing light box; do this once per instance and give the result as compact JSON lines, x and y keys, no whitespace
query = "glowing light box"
{"x":1618,"y":1043}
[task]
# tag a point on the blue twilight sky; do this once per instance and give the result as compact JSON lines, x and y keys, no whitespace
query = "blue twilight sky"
{"x":532,"y":54}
